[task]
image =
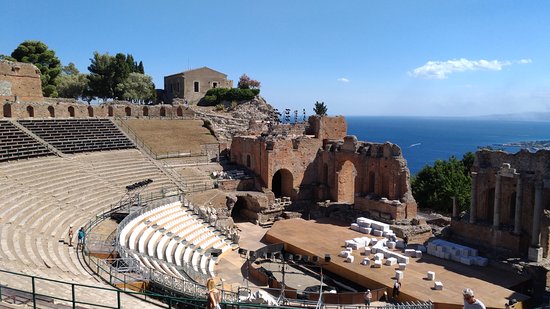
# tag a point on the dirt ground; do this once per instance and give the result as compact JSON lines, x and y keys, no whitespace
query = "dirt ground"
{"x":171,"y":136}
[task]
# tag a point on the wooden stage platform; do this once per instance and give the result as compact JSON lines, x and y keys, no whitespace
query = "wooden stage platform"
{"x":320,"y":237}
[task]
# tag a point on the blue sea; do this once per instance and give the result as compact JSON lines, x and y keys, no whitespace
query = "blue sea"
{"x":424,"y":140}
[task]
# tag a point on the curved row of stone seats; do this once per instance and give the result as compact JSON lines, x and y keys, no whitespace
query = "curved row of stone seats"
{"x":16,"y":144}
{"x":42,"y":197}
{"x":124,"y":167}
{"x":173,"y":234}
{"x":79,"y":135}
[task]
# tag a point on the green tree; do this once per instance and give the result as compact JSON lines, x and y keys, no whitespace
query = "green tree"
{"x":44,"y":59}
{"x":101,"y":77}
{"x":137,"y":88}
{"x":320,"y":108}
{"x":434,"y":186}
{"x":71,"y":84}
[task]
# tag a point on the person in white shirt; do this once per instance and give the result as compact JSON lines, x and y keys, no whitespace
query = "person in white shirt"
{"x":470,"y":302}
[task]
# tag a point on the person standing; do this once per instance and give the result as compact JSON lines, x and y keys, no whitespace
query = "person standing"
{"x":81,"y":235}
{"x":71,"y":234}
{"x":396,"y":287}
{"x":214,"y":296}
{"x":368,"y":297}
{"x":470,"y":302}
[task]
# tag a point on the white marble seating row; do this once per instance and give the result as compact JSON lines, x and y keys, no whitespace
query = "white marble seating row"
{"x":176,"y":237}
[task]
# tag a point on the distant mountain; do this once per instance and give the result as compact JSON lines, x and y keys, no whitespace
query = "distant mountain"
{"x":528,"y":116}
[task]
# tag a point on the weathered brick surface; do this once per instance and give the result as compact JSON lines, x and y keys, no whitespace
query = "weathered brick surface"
{"x":62,"y":108}
{"x":308,"y":167}
{"x":19,"y":82}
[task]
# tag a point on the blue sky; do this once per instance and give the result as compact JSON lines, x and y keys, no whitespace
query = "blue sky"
{"x":433,"y":58}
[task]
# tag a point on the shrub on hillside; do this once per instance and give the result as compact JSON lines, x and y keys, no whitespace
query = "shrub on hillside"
{"x":217,"y":95}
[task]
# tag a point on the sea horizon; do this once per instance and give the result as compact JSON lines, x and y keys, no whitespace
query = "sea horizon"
{"x":425,"y":139}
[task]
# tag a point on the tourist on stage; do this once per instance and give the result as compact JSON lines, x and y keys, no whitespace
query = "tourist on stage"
{"x":396,"y":287}
{"x":470,"y":302}
{"x":368,"y":297}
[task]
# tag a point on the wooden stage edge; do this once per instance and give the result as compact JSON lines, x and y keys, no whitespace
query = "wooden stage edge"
{"x":317,"y":238}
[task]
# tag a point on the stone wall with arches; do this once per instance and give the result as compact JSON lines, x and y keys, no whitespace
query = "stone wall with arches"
{"x":67,"y":109}
{"x":374,"y":177}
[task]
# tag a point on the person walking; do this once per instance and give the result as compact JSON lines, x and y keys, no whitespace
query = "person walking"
{"x":368,"y":297}
{"x":71,"y":234}
{"x":214,"y":296}
{"x":470,"y":302}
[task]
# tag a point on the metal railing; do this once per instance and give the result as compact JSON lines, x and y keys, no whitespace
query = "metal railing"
{"x":124,"y":279}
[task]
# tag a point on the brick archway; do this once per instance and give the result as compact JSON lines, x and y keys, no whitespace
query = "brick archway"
{"x":238,"y":212}
{"x":345,"y":183}
{"x":7,"y":110}
{"x":110,"y":111}
{"x":90,"y":111}
{"x":51,"y":110}
{"x":30,"y":111}
{"x":128,"y":111}
{"x":71,"y":111}
{"x":282,"y":183}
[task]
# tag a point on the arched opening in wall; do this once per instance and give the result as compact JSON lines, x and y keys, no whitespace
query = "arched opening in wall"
{"x":51,"y":110}
{"x":325,"y":174}
{"x":385,"y":192}
{"x":128,"y":111}
{"x":163,"y":112}
{"x":146,"y":111}
{"x":248,"y":161}
{"x":30,"y":111}
{"x":110,"y":111}
{"x":90,"y":111}
{"x":512,"y":208}
{"x":346,"y":183}
{"x":282,"y":183}
{"x":489,"y":205}
{"x":71,"y":111}
{"x":372,"y":182}
{"x":7,"y":110}
{"x":237,"y":213}
{"x":179,"y":111}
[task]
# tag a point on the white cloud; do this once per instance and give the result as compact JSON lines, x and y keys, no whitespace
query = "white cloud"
{"x":442,"y":69}
{"x":343,"y":80}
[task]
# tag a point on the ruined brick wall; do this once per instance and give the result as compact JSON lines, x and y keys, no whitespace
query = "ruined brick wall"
{"x":66,"y":108}
{"x":266,"y":157}
{"x":379,"y":177}
{"x":19,"y":82}
{"x":524,"y":173}
{"x":331,"y":128}
{"x":375,"y":176}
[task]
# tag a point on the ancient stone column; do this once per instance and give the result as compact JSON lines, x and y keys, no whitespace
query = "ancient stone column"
{"x":473,"y":198}
{"x":519,"y":198}
{"x":535,"y":236}
{"x":455,"y":208}
{"x":496,"y":210}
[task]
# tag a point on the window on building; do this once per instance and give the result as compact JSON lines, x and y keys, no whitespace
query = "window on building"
{"x":196,"y":86}
{"x":214,"y":84}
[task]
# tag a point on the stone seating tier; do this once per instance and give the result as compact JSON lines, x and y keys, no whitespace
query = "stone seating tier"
{"x":16,"y":144}
{"x":79,"y":135}
{"x":42,"y":196}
